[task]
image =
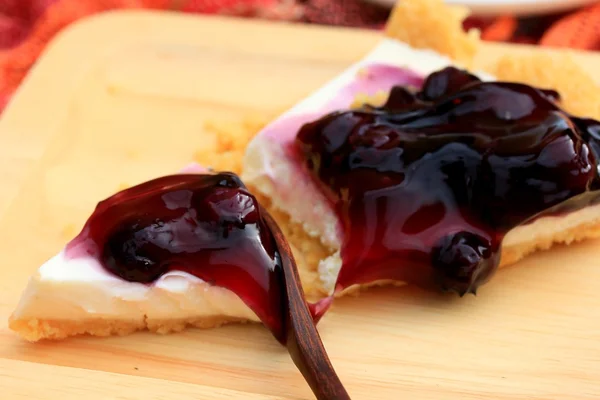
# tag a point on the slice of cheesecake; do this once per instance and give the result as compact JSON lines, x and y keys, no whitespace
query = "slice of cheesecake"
{"x":305,"y":165}
{"x":188,"y":249}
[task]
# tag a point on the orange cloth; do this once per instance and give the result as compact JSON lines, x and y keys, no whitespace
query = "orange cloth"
{"x":579,"y":29}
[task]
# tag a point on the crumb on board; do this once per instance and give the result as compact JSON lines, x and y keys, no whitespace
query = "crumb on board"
{"x":232,"y":139}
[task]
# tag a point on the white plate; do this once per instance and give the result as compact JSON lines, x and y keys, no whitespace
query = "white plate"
{"x":514,"y":7}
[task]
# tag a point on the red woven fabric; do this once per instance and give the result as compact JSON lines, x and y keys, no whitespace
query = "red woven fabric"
{"x":27,"y":25}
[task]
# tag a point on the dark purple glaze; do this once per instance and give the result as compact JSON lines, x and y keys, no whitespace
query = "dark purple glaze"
{"x":427,"y":185}
{"x":207,"y":225}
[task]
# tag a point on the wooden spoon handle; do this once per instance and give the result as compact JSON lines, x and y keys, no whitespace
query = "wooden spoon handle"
{"x":303,"y":341}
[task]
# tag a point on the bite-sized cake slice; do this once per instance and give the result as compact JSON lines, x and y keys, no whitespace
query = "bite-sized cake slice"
{"x":438,"y":184}
{"x":186,"y":249}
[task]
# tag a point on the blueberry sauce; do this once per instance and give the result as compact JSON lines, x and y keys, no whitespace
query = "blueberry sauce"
{"x":209,"y":226}
{"x":427,"y":185}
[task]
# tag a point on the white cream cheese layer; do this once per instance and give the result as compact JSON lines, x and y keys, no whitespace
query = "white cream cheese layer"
{"x":79,"y":288}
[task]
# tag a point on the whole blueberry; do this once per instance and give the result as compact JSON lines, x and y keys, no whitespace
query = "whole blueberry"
{"x":463,"y":261}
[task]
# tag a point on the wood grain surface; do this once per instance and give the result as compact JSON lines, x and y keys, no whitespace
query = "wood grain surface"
{"x":124,"y":97}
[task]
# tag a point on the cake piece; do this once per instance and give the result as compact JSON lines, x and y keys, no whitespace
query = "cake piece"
{"x":451,"y":177}
{"x":194,"y":248}
{"x":187,"y":249}
{"x":274,"y":171}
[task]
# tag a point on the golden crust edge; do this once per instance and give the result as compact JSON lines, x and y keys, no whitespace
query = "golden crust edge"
{"x":34,"y":329}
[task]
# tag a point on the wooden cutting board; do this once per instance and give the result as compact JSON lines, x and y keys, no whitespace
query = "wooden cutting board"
{"x":124,"y":97}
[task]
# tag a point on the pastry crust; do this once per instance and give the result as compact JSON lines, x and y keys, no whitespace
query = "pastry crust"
{"x":34,"y":329}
